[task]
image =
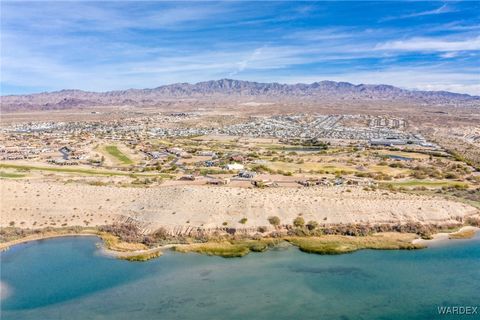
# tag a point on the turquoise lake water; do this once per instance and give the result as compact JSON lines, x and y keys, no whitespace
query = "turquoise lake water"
{"x":67,"y":278}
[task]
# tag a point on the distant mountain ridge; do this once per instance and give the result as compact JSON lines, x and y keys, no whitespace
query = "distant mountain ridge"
{"x":228,"y":88}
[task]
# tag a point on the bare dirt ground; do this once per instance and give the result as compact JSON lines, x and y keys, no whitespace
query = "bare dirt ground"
{"x":40,"y":204}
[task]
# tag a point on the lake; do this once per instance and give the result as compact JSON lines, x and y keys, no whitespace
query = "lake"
{"x":67,"y":278}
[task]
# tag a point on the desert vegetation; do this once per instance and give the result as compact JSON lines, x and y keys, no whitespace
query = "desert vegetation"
{"x":333,"y":244}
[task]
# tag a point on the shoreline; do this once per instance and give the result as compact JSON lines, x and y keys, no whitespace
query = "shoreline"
{"x":445,"y":237}
{"x":112,"y":246}
{"x":4,"y":246}
{"x":105,"y":249}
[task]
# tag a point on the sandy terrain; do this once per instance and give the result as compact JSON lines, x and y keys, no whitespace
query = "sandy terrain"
{"x":39,"y":204}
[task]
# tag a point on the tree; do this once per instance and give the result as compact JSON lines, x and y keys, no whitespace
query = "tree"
{"x":274,"y":221}
{"x":299,"y":222}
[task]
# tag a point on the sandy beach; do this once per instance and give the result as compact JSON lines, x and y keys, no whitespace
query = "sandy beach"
{"x":37,"y":204}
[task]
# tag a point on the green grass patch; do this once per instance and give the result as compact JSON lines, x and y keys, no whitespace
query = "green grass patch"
{"x":65,"y":170}
{"x":344,"y":244}
{"x":11,"y":175}
{"x":222,"y":249}
{"x":80,"y":171}
{"x":117,"y":154}
{"x":226,"y":249}
{"x":427,"y":183}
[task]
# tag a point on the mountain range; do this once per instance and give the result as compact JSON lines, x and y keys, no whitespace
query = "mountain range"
{"x":237,"y":89}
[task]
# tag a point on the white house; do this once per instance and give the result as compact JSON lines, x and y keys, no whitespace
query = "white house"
{"x":234,"y":166}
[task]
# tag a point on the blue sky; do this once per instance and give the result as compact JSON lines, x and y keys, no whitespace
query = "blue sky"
{"x":113,"y":45}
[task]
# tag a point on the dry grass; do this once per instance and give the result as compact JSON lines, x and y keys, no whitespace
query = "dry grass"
{"x":142,"y":257}
{"x":463,"y":234}
{"x":113,"y":243}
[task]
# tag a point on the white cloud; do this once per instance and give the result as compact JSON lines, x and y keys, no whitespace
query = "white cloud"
{"x":432,"y":78}
{"x":443,"y":9}
{"x":431,"y":44}
{"x":99,"y":47}
{"x":449,"y":55}
{"x":112,"y":16}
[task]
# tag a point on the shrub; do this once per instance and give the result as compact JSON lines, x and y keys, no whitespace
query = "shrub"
{"x":312,"y":225}
{"x":274,"y":221}
{"x":160,"y":234}
{"x":262,"y":229}
{"x":472,"y":221}
{"x":451,"y":175}
{"x":261,"y":168}
{"x":243,"y":220}
{"x":299,"y":222}
{"x":126,"y":232}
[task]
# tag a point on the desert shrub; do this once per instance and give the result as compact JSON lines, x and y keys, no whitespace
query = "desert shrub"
{"x":472,"y":221}
{"x":450,"y":175}
{"x":262,"y":229}
{"x":261,"y":168}
{"x":274,"y":221}
{"x":243,"y":220}
{"x":160,"y":234}
{"x":11,"y":233}
{"x":299,"y":222}
{"x":125,"y":231}
{"x":421,"y":188}
{"x":312,"y":225}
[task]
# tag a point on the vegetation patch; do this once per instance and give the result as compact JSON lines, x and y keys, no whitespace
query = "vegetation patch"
{"x":114,"y":243}
{"x":334,"y":244}
{"x":12,"y":233}
{"x":142,"y":257}
{"x":223,"y":249}
{"x":11,"y":175}
{"x":463,"y":234}
{"x":228,"y":249}
{"x":79,"y":170}
{"x":260,"y":245}
{"x":117,"y":154}
{"x":429,"y":183}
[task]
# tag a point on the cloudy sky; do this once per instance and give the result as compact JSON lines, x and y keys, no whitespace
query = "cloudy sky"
{"x":111,"y":45}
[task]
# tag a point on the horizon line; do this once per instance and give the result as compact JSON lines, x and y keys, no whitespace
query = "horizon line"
{"x":230,"y":79}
